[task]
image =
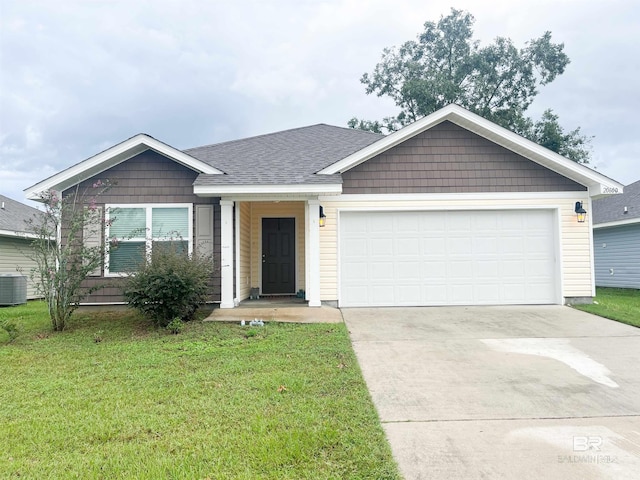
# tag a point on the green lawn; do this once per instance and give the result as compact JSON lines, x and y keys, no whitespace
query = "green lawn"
{"x":216,"y":401}
{"x":621,"y":304}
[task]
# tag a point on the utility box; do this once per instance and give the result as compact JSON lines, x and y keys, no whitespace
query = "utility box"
{"x":13,"y":289}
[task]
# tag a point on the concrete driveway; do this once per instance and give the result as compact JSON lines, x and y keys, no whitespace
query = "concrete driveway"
{"x":503,"y":392}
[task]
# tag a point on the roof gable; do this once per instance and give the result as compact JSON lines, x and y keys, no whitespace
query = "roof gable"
{"x":597,"y":183}
{"x":450,"y":159}
{"x":114,"y":156}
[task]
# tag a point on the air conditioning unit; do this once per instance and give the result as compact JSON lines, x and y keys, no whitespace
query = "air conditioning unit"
{"x":13,"y":289}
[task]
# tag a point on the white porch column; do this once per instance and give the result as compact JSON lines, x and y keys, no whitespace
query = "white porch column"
{"x":226,"y":253}
{"x":313,"y":257}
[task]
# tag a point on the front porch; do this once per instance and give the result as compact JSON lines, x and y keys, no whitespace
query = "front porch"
{"x":269,"y":247}
{"x":277,"y":312}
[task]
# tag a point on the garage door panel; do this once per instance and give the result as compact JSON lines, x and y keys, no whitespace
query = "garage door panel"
{"x":408,"y":272}
{"x":510,"y":244}
{"x":408,"y":295}
{"x":488,"y":292}
{"x":460,"y":294}
{"x":381,"y":246}
{"x":536,"y":245}
{"x":458,"y":224}
{"x":354,"y":247}
{"x":383,"y":294}
{"x":435,"y":272}
{"x":447,"y":258}
{"x":513,"y":293}
{"x":434,"y":246}
{"x":355,"y":272}
{"x":458,"y":245}
{"x":406,"y":224}
{"x":408,"y":246}
{"x":381,"y":270}
{"x":460,"y":270}
{"x":435,"y":295}
{"x":484,"y":245}
{"x":538,"y":269}
{"x":486,"y":270}
{"x":358,"y":294}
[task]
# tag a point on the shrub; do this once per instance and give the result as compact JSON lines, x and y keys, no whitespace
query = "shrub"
{"x":175,"y":326}
{"x":169,"y":285}
{"x":10,"y":328}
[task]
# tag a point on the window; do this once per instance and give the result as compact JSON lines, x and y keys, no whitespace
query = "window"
{"x":136,"y":229}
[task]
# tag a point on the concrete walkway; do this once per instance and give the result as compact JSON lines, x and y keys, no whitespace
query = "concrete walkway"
{"x":503,"y":392}
{"x":276,"y":312}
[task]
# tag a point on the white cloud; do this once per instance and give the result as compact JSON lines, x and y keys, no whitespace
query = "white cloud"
{"x":89,"y":74}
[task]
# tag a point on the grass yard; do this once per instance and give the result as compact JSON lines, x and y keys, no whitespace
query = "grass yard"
{"x":621,"y":304}
{"x":216,"y":401}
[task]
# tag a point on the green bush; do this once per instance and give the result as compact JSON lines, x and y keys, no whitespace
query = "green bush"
{"x":169,"y":285}
{"x":175,"y":326}
{"x":10,"y":328}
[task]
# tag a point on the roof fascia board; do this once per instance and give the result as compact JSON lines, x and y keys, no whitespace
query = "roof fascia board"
{"x":598,"y":184}
{"x":113,"y":156}
{"x":617,"y":223}
{"x":17,"y":234}
{"x":302,"y":189}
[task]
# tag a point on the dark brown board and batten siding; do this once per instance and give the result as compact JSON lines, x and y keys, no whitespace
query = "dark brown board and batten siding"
{"x":149,"y":178}
{"x":449,"y":159}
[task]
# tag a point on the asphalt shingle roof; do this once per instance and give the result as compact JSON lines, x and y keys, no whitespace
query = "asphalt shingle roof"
{"x":611,"y":208}
{"x":282,"y":158}
{"x":14,"y":215}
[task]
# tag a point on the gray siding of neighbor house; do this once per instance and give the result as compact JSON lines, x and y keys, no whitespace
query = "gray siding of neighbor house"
{"x":151,"y":178}
{"x":617,"y":256}
{"x":449,"y":159}
{"x":13,"y":256}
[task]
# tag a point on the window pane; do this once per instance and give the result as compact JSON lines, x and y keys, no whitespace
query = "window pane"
{"x":126,"y":257}
{"x":170,"y":223}
{"x":173,"y":246}
{"x":128,"y":223}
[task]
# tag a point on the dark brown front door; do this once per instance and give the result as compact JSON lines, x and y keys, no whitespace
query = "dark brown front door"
{"x":278,"y":255}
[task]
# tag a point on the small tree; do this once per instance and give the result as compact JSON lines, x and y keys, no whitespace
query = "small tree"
{"x":170,"y":284}
{"x":63,"y":260}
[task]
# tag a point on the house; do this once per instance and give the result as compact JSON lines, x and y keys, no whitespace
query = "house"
{"x":450,"y":210}
{"x":15,"y":241}
{"x":616,"y":239}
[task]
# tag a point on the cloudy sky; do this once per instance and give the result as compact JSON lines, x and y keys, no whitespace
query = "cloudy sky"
{"x":76,"y":77}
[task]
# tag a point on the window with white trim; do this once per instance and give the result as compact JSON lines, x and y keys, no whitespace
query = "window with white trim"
{"x":134,"y":230}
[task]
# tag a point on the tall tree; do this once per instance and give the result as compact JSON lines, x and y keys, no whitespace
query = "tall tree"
{"x":498,"y":82}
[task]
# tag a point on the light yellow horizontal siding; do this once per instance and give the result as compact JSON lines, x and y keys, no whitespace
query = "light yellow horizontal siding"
{"x":575,"y":243}
{"x":14,"y":258}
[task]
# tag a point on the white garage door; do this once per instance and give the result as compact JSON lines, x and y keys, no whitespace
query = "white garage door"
{"x":488,"y":257}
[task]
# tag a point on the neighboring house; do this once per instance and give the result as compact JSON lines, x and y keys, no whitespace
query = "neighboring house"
{"x":616,"y":239}
{"x":450,"y":210}
{"x":15,"y":240}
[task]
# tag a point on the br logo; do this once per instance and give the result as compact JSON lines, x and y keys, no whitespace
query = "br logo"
{"x":583,"y":444}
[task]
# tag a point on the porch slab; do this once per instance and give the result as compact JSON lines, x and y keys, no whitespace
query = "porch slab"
{"x":289,"y":314}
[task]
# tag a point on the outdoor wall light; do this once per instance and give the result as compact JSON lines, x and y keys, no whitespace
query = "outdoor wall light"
{"x":323,"y":217}
{"x":581,"y":213}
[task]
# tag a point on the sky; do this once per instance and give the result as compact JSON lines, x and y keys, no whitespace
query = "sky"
{"x":77,"y":77}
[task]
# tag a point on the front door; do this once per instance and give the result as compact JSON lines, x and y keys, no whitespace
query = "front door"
{"x":278,"y":256}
